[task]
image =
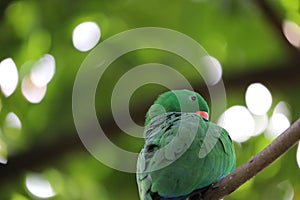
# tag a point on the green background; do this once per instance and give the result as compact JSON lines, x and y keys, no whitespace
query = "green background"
{"x":245,"y":36}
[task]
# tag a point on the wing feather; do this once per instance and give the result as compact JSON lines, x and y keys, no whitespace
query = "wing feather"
{"x":182,"y":153}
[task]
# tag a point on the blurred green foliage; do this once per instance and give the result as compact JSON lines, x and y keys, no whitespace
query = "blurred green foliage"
{"x":236,"y":32}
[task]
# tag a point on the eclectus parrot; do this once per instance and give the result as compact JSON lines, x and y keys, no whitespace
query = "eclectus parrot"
{"x":184,"y":152}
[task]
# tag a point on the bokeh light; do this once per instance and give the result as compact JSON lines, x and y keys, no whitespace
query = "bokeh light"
{"x":13,"y":121}
{"x":17,"y":196}
{"x":279,"y":121}
{"x":38,"y":186}
{"x":283,"y":108}
{"x":298,"y":155}
{"x":31,"y":92}
{"x":43,"y":71}
{"x":9,"y":76}
{"x":22,"y":25}
{"x":213,"y":70}
{"x":287,"y":189}
{"x":239,"y":123}
{"x":12,"y":126}
{"x":278,"y":124}
{"x":261,"y":123}
{"x":3,"y":152}
{"x":39,"y":41}
{"x":258,"y":99}
{"x":291,"y":31}
{"x":86,"y":35}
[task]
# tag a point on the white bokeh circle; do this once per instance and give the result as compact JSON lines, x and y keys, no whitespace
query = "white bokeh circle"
{"x":86,"y":35}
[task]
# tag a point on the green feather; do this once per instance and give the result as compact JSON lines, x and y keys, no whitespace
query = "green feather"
{"x":183,"y":152}
{"x":176,"y":101}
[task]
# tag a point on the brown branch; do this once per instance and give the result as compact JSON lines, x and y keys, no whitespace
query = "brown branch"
{"x":256,"y":164}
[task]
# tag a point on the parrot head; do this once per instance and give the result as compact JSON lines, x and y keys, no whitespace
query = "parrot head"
{"x":178,"y":101}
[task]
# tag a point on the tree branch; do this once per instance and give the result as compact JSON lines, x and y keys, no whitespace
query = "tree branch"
{"x":256,"y":164}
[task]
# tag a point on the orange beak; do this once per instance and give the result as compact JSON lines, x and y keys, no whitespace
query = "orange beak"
{"x":203,"y":114}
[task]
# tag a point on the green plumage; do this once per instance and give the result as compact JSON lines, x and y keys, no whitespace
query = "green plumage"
{"x":183,"y":151}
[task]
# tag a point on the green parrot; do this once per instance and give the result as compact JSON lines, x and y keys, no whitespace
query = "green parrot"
{"x":184,"y":152}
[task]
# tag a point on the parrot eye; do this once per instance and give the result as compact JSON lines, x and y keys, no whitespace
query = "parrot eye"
{"x":193,"y":98}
